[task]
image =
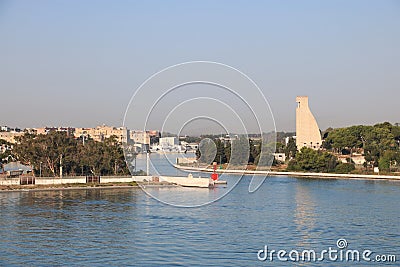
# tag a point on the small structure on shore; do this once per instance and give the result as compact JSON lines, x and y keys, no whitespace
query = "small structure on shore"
{"x":15,"y":169}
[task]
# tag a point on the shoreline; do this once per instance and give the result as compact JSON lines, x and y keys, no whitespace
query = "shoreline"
{"x":314,"y":175}
{"x":304,"y":175}
{"x":40,"y":188}
{"x":37,"y":188}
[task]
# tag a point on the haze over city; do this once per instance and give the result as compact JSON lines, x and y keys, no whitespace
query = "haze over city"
{"x":78,"y":63}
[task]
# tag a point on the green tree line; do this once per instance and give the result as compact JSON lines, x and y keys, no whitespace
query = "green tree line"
{"x":239,"y":151}
{"x":379,"y":143}
{"x":48,"y":152}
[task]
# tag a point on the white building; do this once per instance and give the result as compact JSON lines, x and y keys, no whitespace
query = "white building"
{"x":142,"y":137}
{"x":168,"y":142}
{"x":5,"y":128}
{"x":189,"y":146}
{"x":281,"y":157}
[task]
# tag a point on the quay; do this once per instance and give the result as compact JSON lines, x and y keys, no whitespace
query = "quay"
{"x":188,"y":181}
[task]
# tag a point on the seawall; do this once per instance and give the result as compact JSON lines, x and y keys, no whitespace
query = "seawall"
{"x":295,"y":174}
{"x":72,"y":180}
{"x":155,"y":180}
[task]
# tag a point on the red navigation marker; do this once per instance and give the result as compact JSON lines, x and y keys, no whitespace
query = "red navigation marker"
{"x":214,"y":175}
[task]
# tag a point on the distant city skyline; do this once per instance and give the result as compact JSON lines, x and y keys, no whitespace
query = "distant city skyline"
{"x":77,"y":64}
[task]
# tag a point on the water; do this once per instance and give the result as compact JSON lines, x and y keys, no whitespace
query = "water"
{"x":125,"y":227}
{"x":162,"y":164}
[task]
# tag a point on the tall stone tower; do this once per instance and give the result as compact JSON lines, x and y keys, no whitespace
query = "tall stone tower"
{"x":307,"y":130}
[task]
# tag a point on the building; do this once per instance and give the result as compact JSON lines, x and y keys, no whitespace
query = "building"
{"x":102,"y":132}
{"x":358,"y":159}
{"x":15,"y":169}
{"x":83,"y":132}
{"x":8,"y":129}
{"x":30,"y":130}
{"x":154,"y":133}
{"x":46,"y":130}
{"x":5,"y":129}
{"x":189,"y":146}
{"x":280,"y":157}
{"x":141,"y":137}
{"x":307,"y":130}
{"x":120,"y":132}
{"x":10,"y":136}
{"x":168,"y":142}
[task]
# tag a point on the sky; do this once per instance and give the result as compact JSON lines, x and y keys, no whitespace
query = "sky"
{"x":78,"y":63}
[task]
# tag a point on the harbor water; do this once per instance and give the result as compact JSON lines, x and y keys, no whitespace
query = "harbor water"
{"x":127,"y":227}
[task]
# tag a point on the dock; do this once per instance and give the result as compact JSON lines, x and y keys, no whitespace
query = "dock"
{"x":188,"y":181}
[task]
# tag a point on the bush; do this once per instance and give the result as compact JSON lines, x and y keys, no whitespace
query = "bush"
{"x":313,"y":161}
{"x":345,"y":168}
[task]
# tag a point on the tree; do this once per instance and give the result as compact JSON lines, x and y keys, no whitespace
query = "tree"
{"x":311,"y":160}
{"x":377,"y":139}
{"x":388,"y":159}
{"x":7,"y":153}
{"x":255,"y":150}
{"x":374,"y":141}
{"x":220,"y":156}
{"x":345,"y":168}
{"x":240,"y":151}
{"x":291,"y":148}
{"x":46,"y":151}
{"x":227,"y":150}
{"x":341,"y":138}
{"x":207,"y":151}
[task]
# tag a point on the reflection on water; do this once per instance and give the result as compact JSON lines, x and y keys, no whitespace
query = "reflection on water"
{"x":304,"y":216}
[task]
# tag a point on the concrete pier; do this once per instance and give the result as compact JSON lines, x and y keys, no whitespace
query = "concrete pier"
{"x":189,"y":181}
{"x":67,"y":180}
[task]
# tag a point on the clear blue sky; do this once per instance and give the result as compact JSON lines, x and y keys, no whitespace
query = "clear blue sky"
{"x":77,"y":63}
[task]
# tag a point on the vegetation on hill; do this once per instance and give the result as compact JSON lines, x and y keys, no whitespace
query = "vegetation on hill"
{"x":380,"y":144}
{"x":241,"y":150}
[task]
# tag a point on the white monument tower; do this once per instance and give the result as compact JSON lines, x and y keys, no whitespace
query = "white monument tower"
{"x":307,"y":130}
